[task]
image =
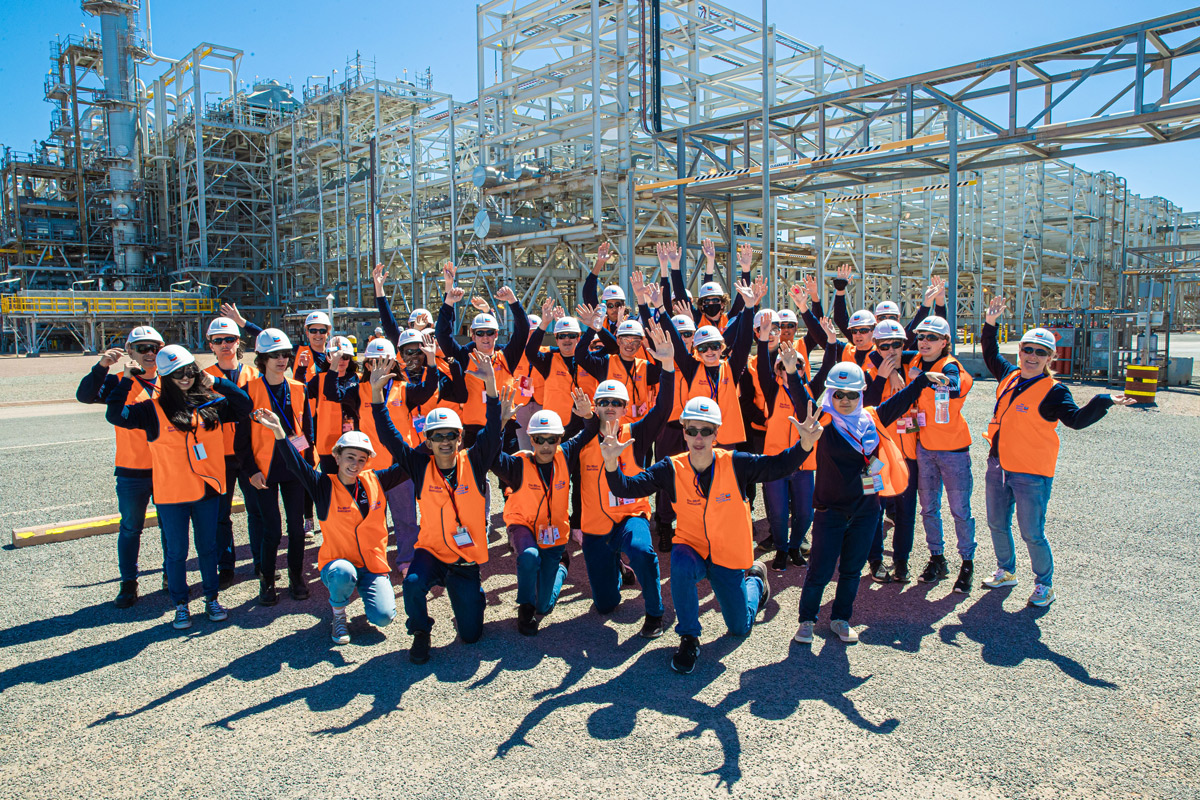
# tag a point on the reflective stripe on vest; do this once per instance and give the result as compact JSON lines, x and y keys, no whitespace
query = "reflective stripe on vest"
{"x":536,"y":505}
{"x":132,"y":450}
{"x":439,"y":520}
{"x":955,"y":434}
{"x":180,"y":474}
{"x":731,"y":430}
{"x":346,"y":533}
{"x":262,"y":441}
{"x":1028,"y":441}
{"x":717,"y":526}
{"x":601,"y":509}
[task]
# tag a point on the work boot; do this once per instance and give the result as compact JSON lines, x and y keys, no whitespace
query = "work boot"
{"x":780,"y":561}
{"x":684,"y":660}
{"x":759,"y":570}
{"x":796,"y":556}
{"x":965,"y":573}
{"x":628,"y":576}
{"x":652,"y":628}
{"x":900,"y":571}
{"x":128,"y":594}
{"x":666,"y":537}
{"x":267,"y":595}
{"x":418,"y":652}
{"x":296,"y":586}
{"x":527,"y":624}
{"x":935,"y":570}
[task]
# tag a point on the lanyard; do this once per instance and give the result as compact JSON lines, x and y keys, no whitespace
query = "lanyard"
{"x":859,"y":447}
{"x":449,"y":491}
{"x":547,"y":489}
{"x":632,"y":375}
{"x":148,"y":386}
{"x":712,"y":387}
{"x":217,"y":399}
{"x":287,"y":401}
{"x":1015,"y":387}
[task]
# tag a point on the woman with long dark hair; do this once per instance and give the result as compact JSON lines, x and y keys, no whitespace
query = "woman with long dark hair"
{"x":187,"y":450}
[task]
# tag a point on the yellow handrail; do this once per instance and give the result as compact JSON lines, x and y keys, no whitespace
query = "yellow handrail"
{"x":106,"y":306}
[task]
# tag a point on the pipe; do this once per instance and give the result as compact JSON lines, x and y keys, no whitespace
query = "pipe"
{"x":656,"y":64}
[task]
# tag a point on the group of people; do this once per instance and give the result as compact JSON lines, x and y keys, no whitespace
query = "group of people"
{"x":695,"y":404}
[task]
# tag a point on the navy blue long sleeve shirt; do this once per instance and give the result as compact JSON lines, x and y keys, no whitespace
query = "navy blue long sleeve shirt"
{"x":96,"y":387}
{"x":142,"y":416}
{"x":319,"y":485}
{"x":513,"y":348}
{"x":511,"y":469}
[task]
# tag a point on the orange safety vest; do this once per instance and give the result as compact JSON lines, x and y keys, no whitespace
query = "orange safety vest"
{"x":328,"y":420}
{"x":717,"y":526}
{"x":895,"y":470}
{"x":536,"y":505}
{"x":307,"y":364}
{"x":474,"y":411}
{"x":246,"y":374}
{"x":731,"y":430}
{"x":347,"y":534}
{"x":442,"y":513}
{"x":721,"y":324}
{"x":905,"y":434}
{"x":681,"y":397}
{"x":601,"y":509}
{"x":132,"y":450}
{"x":637,"y":384}
{"x":396,"y":403}
{"x":1029,"y":442}
{"x":262,"y":441}
{"x":955,"y":434}
{"x":850,"y":353}
{"x":185,"y":462}
{"x":560,"y":384}
{"x":781,"y":433}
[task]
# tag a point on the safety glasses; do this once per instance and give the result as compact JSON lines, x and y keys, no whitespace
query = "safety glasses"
{"x":791,"y":326}
{"x":707,"y":346}
{"x":483,"y":334}
{"x":191,"y":371}
{"x":928,"y":337}
{"x":861,"y":331}
{"x":545,"y":439}
{"x":609,"y":402}
{"x":614,"y":304}
{"x":223,"y":340}
{"x":408,"y":352}
{"x":566,"y":336}
{"x":284,"y":354}
{"x":686,"y":334}
{"x":841,"y":395}
{"x":889,"y":345}
{"x":442,"y":436}
{"x":702,"y":433}
{"x":1035,"y":351}
{"x":318,"y":331}
{"x":143,"y":349}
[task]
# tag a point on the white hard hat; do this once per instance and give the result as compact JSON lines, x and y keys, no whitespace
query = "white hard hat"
{"x":356,"y":439}
{"x":787,"y":316}
{"x":534,"y":320}
{"x":339,"y":344}
{"x":419,"y":313}
{"x":711,"y":289}
{"x":270,"y":340}
{"x":408,"y":336}
{"x":484,"y":322}
{"x":705,"y":334}
{"x":545,"y":421}
{"x":378,"y":331}
{"x":768,"y":315}
{"x":171,"y":358}
{"x":144,"y":333}
{"x":932,"y":324}
{"x":613,"y":292}
{"x":442,"y":418}
{"x":887,"y":307}
{"x":861,"y":319}
{"x":566,"y":325}
{"x":223,"y":325}
{"x":684,"y":323}
{"x":846,"y":375}
{"x":701,"y":409}
{"x":631,"y":327}
{"x":1040,"y":336}
{"x":318,"y":318}
{"x":379,"y":348}
{"x":889,"y":329}
{"x":613,"y":390}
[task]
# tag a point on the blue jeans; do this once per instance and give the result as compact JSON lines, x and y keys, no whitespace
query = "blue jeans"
{"x":904,"y":514}
{"x":1030,"y":494}
{"x":402,"y":502}
{"x":462,"y":585}
{"x":602,"y":557}
{"x":226,"y":549}
{"x":293,"y":494}
{"x":737,"y":593}
{"x":540,"y":571}
{"x":789,"y":495}
{"x":133,"y":495}
{"x":841,"y":538}
{"x":940,"y":468}
{"x":173,"y":518}
{"x":341,"y":578}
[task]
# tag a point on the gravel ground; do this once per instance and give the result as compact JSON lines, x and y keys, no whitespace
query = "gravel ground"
{"x":946,"y":696}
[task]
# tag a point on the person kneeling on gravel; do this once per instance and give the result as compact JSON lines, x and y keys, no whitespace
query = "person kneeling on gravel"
{"x":714,"y":538}
{"x":351,"y":506}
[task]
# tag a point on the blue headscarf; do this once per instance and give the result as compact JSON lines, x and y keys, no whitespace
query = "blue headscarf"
{"x":857,"y":427}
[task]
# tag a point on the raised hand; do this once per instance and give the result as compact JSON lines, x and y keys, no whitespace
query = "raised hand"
{"x":812,"y":287}
{"x":637,"y":281}
{"x":745,"y":257}
{"x":547,"y":310}
{"x":995,"y":310}
{"x":485,"y":371}
{"x":830,"y":331}
{"x":845,"y":272}
{"x":582,"y":404}
{"x":810,"y":430}
{"x":710,"y":252}
{"x":111,"y":356}
{"x":481,"y":305}
{"x":448,"y":273}
{"x":603,"y":252}
{"x":557,"y":313}
{"x":747,"y":293}
{"x":663,"y":350}
{"x":670,"y":250}
{"x":508,"y":404}
{"x":268,"y":420}
{"x":231,"y":310}
{"x":429,"y":348}
{"x":610,"y":447}
{"x":654,"y":295}
{"x":453,"y":295}
{"x":939,"y":297}
{"x":589,"y":315}
{"x":759,"y":286}
{"x":506,"y":295}
{"x":789,"y":357}
{"x":799,"y":298}
{"x":380,"y":378}
{"x":335,"y":361}
{"x":682,"y":307}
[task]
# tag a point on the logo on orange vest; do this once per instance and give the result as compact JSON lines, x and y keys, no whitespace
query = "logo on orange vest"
{"x":592,"y":468}
{"x":724,"y":497}
{"x":691,"y":501}
{"x":560,"y":485}
{"x":462,"y":490}
{"x":1022,"y":408}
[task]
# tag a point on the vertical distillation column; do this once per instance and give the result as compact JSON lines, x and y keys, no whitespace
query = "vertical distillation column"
{"x":117,"y":22}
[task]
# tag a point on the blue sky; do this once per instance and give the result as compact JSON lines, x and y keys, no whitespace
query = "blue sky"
{"x":292,"y":40}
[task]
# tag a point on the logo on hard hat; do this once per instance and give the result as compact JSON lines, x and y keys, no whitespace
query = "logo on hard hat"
{"x":172,"y":357}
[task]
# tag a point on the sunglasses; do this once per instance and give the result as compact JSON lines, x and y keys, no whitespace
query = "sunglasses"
{"x":567,"y":336}
{"x":889,"y":346}
{"x":545,"y":439}
{"x":775,"y":328}
{"x":1035,"y":351}
{"x":189,"y":372}
{"x":485,"y":334}
{"x":615,"y":303}
{"x":442,"y":436}
{"x":700,"y":432}
{"x":790,"y":325}
{"x":319,"y":331}
{"x":143,"y":349}
{"x":704,"y":348}
{"x":223,"y":340}
{"x":285,"y":354}
{"x":686,"y":334}
{"x":609,"y":402}
{"x":861,"y":331}
{"x":928,"y":337}
{"x":411,"y":351}
{"x":840,"y":395}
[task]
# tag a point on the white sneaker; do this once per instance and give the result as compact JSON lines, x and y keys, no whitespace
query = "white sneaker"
{"x":844,"y":631}
{"x":1042,"y":596}
{"x":339,"y":633}
{"x":308,"y":525}
{"x":1000,"y":578}
{"x":805,"y":634}
{"x":183,"y":619}
{"x":215,"y":611}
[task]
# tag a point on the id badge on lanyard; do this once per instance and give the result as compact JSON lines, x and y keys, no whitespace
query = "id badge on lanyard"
{"x":872,"y":483}
{"x":462,"y":536}
{"x":548,"y":536}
